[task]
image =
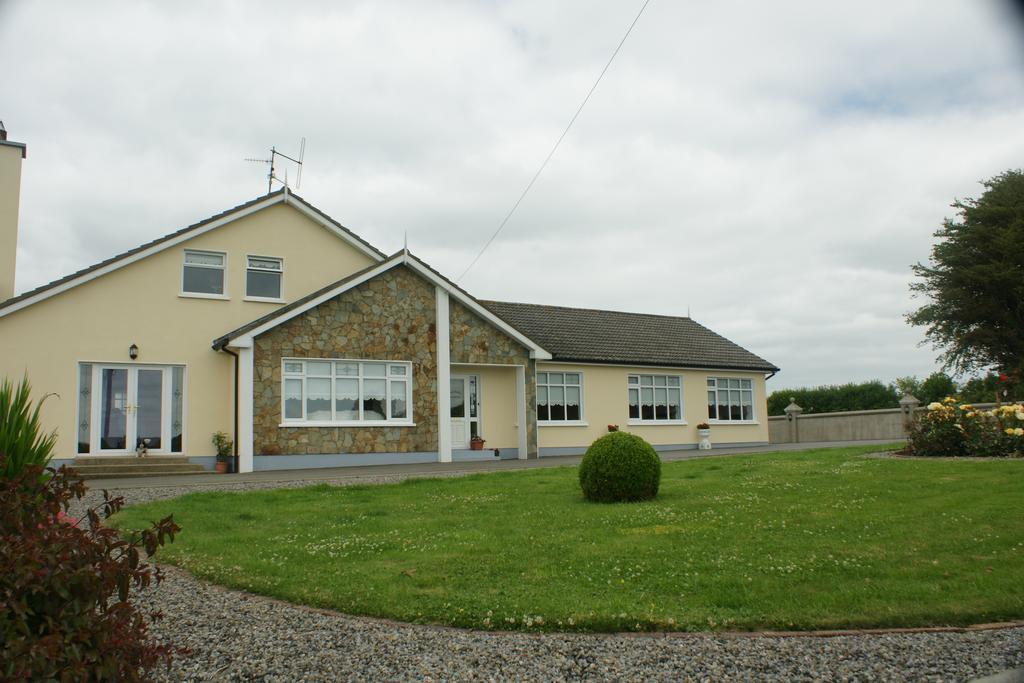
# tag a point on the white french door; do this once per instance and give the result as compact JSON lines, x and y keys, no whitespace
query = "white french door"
{"x":131,"y":407}
{"x":465,"y":404}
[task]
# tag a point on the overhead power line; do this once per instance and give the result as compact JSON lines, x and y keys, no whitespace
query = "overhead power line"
{"x":557,"y":142}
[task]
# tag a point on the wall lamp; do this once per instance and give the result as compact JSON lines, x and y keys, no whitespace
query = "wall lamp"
{"x":133,"y":351}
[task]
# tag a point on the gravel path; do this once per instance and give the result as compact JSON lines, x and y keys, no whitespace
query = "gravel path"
{"x":235,"y":636}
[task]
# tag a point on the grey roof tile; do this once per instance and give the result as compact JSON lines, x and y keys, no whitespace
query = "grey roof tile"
{"x":595,"y":336}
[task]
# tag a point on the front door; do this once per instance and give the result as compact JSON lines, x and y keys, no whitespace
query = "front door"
{"x":465,"y":410}
{"x":130,"y":408}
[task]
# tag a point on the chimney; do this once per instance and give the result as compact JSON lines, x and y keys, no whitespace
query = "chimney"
{"x":11,"y":154}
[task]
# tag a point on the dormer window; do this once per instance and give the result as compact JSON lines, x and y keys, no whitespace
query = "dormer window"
{"x":203,"y":273}
{"x":263,"y":277}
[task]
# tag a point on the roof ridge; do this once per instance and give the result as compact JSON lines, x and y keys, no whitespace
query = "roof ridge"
{"x":593,"y":310}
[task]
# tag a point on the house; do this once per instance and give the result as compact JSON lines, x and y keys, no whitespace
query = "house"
{"x":276,"y":324}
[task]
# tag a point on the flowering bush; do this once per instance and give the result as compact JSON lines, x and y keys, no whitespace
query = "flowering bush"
{"x":955,"y":429}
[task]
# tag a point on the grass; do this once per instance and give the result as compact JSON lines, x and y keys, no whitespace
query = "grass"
{"x":818,"y":539}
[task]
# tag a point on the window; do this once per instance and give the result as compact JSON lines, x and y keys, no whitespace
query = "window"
{"x":730,"y":398}
{"x":655,"y":398}
{"x":559,"y":397}
{"x":203,"y":273}
{"x":332,"y":391}
{"x":263,"y":277}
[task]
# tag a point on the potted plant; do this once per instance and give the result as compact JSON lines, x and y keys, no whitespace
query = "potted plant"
{"x":704,"y":432}
{"x":476,"y":443}
{"x":224,"y":446}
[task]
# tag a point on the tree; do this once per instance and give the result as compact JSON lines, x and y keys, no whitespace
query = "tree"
{"x":936,"y":387}
{"x":975,"y":281}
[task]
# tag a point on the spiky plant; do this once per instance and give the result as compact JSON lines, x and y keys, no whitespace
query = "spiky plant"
{"x":22,"y":440}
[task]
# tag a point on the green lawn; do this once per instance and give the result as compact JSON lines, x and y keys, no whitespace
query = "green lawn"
{"x":818,"y":539}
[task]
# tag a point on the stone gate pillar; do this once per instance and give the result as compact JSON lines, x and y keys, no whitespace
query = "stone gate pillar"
{"x":792,"y":417}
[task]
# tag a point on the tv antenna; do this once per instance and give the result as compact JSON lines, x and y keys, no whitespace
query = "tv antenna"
{"x":272,"y":162}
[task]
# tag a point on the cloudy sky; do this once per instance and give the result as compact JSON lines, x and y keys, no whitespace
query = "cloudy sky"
{"x":774,"y":168}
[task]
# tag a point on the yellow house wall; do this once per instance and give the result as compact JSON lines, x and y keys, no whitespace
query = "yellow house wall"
{"x":10,"y":188}
{"x":141,"y":304}
{"x":498,"y":404}
{"x":605,"y":401}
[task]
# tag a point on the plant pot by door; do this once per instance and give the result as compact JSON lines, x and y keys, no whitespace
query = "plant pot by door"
{"x":221,"y":467}
{"x":476,"y":443}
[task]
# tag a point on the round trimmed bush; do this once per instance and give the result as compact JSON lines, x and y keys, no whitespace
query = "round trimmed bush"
{"x":620,"y":467}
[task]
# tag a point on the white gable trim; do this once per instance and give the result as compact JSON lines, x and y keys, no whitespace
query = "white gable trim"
{"x":535,"y":350}
{"x":315,"y":216}
{"x":284,"y":197}
{"x":245,"y":340}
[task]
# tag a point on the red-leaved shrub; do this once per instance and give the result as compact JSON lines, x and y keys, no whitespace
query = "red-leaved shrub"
{"x":64,"y":584}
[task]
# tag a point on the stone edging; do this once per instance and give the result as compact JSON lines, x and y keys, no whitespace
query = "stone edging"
{"x":893,"y":455}
{"x":828,"y":633}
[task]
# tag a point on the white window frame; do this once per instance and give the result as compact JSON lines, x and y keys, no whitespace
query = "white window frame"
{"x":753,"y":402}
{"x":406,"y":421}
{"x":582,"y":422}
{"x":185,"y":264}
{"x":639,"y":385}
{"x":280,"y":271}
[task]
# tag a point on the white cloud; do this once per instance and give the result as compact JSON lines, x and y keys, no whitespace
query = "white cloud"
{"x":774,"y":167}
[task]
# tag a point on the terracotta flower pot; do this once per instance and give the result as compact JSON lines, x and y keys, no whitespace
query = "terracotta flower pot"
{"x":221,"y":467}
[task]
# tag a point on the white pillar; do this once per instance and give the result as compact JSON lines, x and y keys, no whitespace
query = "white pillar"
{"x":444,"y":378}
{"x":245,"y":409}
{"x":521,"y":410}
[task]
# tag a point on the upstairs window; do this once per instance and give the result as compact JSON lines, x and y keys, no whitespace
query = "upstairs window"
{"x":203,"y":273}
{"x":263,"y":277}
{"x":730,"y":398}
{"x":655,"y":398}
{"x":559,"y":397}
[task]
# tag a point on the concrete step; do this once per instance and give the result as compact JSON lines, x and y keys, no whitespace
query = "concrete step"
{"x":140,"y":470}
{"x":121,"y":467}
{"x":129,"y":459}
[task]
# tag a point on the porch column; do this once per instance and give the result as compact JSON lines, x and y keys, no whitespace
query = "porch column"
{"x":521,"y":411}
{"x":245,"y":409}
{"x":444,"y":378}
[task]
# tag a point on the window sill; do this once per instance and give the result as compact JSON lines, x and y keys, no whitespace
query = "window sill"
{"x":658,"y":423}
{"x":263,"y":300}
{"x":733,"y":422}
{"x":562,"y":423}
{"x":375,"y":423}
{"x":198,"y":295}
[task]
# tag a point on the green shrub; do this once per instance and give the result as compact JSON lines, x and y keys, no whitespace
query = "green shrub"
{"x":22,"y":441}
{"x":620,"y":467}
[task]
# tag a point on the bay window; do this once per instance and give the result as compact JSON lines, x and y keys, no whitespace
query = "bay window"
{"x":330,"y":392}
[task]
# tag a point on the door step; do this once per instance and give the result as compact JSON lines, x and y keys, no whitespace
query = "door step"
{"x":122,"y":467}
{"x":131,"y":459}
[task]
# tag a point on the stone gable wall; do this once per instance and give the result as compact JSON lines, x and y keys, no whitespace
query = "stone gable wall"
{"x":391,"y":317}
